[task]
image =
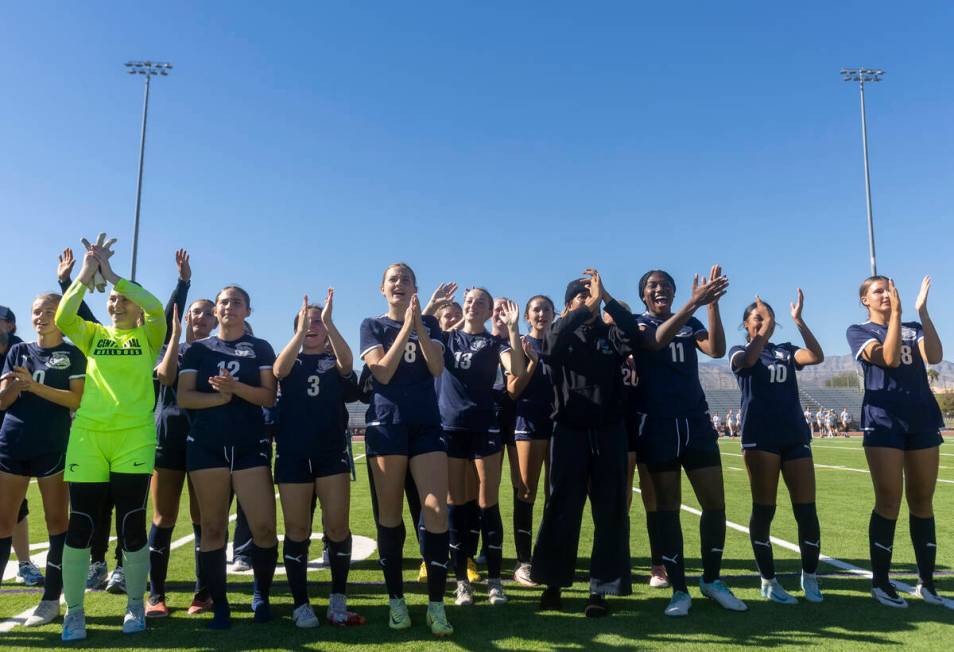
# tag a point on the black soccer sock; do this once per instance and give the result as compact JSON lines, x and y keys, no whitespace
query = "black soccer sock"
{"x":213,"y":572}
{"x":670,"y":544}
{"x":473,"y":529}
{"x":492,"y":528}
{"x":295,"y":554}
{"x":5,"y":544}
{"x":458,"y":527}
{"x":522,"y":528}
{"x":809,"y":535}
{"x":925,"y":548}
{"x":53,"y":585}
{"x":159,"y":540}
{"x":652,"y":528}
{"x":264,"y":561}
{"x":391,"y":556}
{"x":760,"y":528}
{"x":339,"y":553}
{"x":712,"y":535}
{"x":435,"y":555}
{"x":199,"y":584}
{"x":880,"y":544}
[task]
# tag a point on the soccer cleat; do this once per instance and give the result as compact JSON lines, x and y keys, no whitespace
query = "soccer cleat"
{"x":437,"y":620}
{"x":117,"y":581}
{"x":422,"y":573}
{"x":929,"y":595}
{"x":156,"y":607}
{"x":74,"y":625}
{"x":221,"y":618}
{"x":550,"y":599}
{"x":772,"y":590}
{"x":495,"y":592}
{"x":200,"y":604}
{"x":888,"y":596}
{"x":240,"y":564}
{"x":304,"y":617}
{"x":29,"y":575}
{"x":464,"y":594}
{"x":135,"y":619}
{"x":338,"y":613}
{"x":810,"y":587}
{"x":96,"y":576}
{"x":521,"y":575}
{"x":658,"y":578}
{"x":482,"y":558}
{"x":719,"y":592}
{"x":473,"y":575}
{"x":398,"y":618}
{"x":679,"y":605}
{"x":261,"y":609}
{"x":596,"y":606}
{"x":46,"y":612}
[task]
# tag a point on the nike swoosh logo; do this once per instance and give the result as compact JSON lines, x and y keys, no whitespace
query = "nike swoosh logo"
{"x":138,"y":463}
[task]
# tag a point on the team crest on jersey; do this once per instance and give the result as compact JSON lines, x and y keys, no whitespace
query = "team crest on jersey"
{"x":685,"y":331}
{"x":604,"y":346}
{"x":908,"y":333}
{"x":59,"y":360}
{"x":244,"y":350}
{"x":781,"y":355}
{"x":477,"y":345}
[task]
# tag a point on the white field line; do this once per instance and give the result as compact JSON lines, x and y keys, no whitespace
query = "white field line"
{"x":837,"y":468}
{"x":788,"y":545}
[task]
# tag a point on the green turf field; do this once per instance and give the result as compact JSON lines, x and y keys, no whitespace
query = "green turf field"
{"x":848,"y":618}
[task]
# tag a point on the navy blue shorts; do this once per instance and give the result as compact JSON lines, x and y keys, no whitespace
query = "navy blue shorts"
{"x":471,"y":445}
{"x":302,"y":468}
{"x":668,"y":443}
{"x":531,"y":430}
{"x":171,"y":455}
{"x":914,"y":441}
{"x":506,"y":421}
{"x":40,"y":466}
{"x":402,"y":439}
{"x":234,"y":458}
{"x":787,"y":451}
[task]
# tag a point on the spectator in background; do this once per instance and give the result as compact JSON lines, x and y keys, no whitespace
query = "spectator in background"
{"x":810,"y":421}
{"x":730,"y":424}
{"x":845,"y":421}
{"x":717,"y":424}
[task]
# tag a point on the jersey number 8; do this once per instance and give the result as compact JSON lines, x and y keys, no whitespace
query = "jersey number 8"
{"x":906,"y":357}
{"x":410,"y":352}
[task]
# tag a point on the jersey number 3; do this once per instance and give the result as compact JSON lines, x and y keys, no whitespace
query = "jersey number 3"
{"x":314,"y":383}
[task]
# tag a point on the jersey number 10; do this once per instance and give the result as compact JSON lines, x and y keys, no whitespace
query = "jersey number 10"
{"x":777,"y":373}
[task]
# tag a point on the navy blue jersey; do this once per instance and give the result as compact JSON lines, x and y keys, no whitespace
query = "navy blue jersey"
{"x":34,"y":426}
{"x":410,"y":397}
{"x":669,"y":378}
{"x":310,"y":415}
{"x":238,"y":422}
{"x":630,"y":383}
{"x":466,"y":394}
{"x":771,"y":410}
{"x":898,"y":400}
{"x":535,"y":403}
{"x":172,"y":422}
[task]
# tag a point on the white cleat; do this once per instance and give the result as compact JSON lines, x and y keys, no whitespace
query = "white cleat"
{"x":135,"y":619}
{"x":930,"y":596}
{"x":464,"y":595}
{"x":719,"y":592}
{"x":772,"y":590}
{"x":304,"y":617}
{"x":888,"y":597}
{"x":45,"y":613}
{"x":811,"y":588}
{"x":679,"y":605}
{"x":495,"y":592}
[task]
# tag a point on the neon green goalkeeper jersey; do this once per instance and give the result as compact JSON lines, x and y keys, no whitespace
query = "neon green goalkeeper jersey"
{"x":119,"y":390}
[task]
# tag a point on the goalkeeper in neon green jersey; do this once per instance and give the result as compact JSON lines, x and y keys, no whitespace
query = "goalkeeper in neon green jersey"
{"x":112,"y":440}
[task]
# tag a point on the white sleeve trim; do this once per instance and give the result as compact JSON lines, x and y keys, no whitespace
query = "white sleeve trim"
{"x":263,"y":367}
{"x":369,"y":350}
{"x":865,"y":346}
{"x":439,"y":343}
{"x":188,"y":371}
{"x":77,"y":377}
{"x":739,"y":352}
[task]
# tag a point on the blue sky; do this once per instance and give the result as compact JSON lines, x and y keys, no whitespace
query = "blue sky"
{"x":495,"y":143}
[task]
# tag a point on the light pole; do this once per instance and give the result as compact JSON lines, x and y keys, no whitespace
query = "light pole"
{"x":862,"y":76}
{"x":148,"y":69}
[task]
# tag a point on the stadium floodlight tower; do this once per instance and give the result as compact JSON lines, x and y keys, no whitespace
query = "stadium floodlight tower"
{"x":147,"y":69}
{"x":863,"y":76}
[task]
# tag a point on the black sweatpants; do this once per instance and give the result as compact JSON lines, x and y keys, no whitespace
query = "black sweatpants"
{"x":586,"y":462}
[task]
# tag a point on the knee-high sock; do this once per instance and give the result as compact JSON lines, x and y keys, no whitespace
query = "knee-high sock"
{"x":652,"y":529}
{"x":75,"y":566}
{"x":760,"y":528}
{"x":458,"y":524}
{"x":391,"y":555}
{"x":809,"y":535}
{"x":712,"y":535}
{"x":925,"y":547}
{"x":435,"y":555}
{"x":54,"y":568}
{"x":473,"y":530}
{"x":264,"y":561}
{"x":522,"y":528}
{"x":491,"y":526}
{"x":199,"y":582}
{"x":880,"y":545}
{"x":5,"y":544}
{"x":670,"y":544}
{"x":136,"y":568}
{"x":340,"y":557}
{"x":296,"y":568}
{"x":159,"y":540}
{"x":213,"y":577}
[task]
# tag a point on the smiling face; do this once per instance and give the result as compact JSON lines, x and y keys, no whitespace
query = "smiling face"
{"x":658,"y":294}
{"x":478,"y":309}
{"x":450,"y":315}
{"x":875,"y":296}
{"x":316,"y":337}
{"x":752,"y":321}
{"x":42,"y":313}
{"x":124,"y":313}
{"x":539,"y":313}
{"x":202,"y":318}
{"x":500,"y":304}
{"x":231,"y":308}
{"x":398,"y":285}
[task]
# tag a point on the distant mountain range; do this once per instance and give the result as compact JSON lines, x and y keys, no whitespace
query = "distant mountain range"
{"x":716,"y":373}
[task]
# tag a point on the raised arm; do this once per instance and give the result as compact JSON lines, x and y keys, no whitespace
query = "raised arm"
{"x":67,"y":319}
{"x":154,"y":315}
{"x":930,"y":345}
{"x":514,"y":361}
{"x":713,"y":343}
{"x":433,"y":355}
{"x":443,"y":294}
{"x":64,"y":270}
{"x":168,"y":368}
{"x":516,"y":384}
{"x":757,"y":344}
{"x":887,"y":354}
{"x":181,"y":292}
{"x":812,"y":352}
{"x":704,"y":293}
{"x":343,"y":355}
{"x":285,"y":361}
{"x":189,"y":398}
{"x":383,"y":364}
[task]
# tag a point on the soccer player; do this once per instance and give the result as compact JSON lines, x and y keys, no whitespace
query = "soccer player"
{"x":717,"y":424}
{"x":466,"y":402}
{"x":403,"y":352}
{"x":42,"y":382}
{"x":845,"y":421}
{"x":316,"y":379}
{"x":112,"y":440}
{"x":588,"y":448}
{"x":730,"y":424}
{"x":533,"y":394}
{"x":776,"y":440}
{"x":676,"y":431}
{"x":811,"y":422}
{"x":900,"y":419}
{"x":225,"y":381}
